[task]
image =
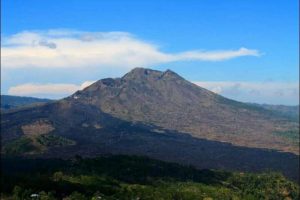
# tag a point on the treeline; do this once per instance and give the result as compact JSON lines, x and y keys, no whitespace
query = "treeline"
{"x":132,"y":177}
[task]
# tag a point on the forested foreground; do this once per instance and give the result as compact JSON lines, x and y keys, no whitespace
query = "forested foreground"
{"x":131,"y":177}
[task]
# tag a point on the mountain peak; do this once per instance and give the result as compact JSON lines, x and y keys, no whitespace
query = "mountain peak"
{"x":138,"y":73}
{"x":141,"y":70}
{"x":169,"y":73}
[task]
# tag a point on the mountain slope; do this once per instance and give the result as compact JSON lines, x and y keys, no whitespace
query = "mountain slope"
{"x":11,"y":102}
{"x":157,"y":114}
{"x":291,"y":112}
{"x":166,"y":100}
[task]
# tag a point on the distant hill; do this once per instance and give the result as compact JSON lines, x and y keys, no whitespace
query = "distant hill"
{"x":160,"y":115}
{"x":11,"y":102}
{"x":291,"y":112}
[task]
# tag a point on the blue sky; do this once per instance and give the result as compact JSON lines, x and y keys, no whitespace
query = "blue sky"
{"x":245,"y":50}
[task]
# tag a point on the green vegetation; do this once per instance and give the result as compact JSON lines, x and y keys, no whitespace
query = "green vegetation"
{"x":21,"y":145}
{"x":50,"y":140}
{"x":35,"y":144}
{"x":132,"y":177}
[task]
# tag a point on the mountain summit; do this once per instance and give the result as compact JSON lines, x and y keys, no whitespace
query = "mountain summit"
{"x":153,"y":113}
{"x":168,"y":101}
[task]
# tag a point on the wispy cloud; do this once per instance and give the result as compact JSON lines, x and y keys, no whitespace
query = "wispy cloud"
{"x":259,"y":92}
{"x":65,"y":48}
{"x":47,"y":90}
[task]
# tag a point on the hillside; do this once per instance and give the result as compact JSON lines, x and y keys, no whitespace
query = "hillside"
{"x":132,"y":177}
{"x":291,"y":112}
{"x":160,"y":115}
{"x":166,"y":100}
{"x":11,"y":102}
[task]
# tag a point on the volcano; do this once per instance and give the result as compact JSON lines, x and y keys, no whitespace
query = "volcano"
{"x":157,"y":114}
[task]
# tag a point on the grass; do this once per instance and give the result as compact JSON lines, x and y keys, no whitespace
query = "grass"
{"x":21,"y":145}
{"x":35,"y":144}
{"x":50,"y":140}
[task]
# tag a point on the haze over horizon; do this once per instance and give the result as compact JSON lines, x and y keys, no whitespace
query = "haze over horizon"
{"x":247,"y":52}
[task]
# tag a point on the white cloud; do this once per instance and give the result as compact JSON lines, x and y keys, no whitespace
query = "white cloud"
{"x":259,"y":92}
{"x":86,"y":84}
{"x":47,"y":90}
{"x":65,"y":48}
{"x":216,"y":55}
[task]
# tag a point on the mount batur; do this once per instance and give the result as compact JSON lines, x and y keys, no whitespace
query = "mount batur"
{"x":159,"y":115}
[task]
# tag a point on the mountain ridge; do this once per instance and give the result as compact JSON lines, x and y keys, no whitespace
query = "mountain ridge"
{"x":13,"y":102}
{"x":140,"y":94}
{"x":166,"y":100}
{"x":156,"y":114}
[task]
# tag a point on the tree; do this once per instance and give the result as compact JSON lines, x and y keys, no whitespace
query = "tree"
{"x":76,"y":196}
{"x":57,"y":176}
{"x":18,"y":193}
{"x":46,"y":196}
